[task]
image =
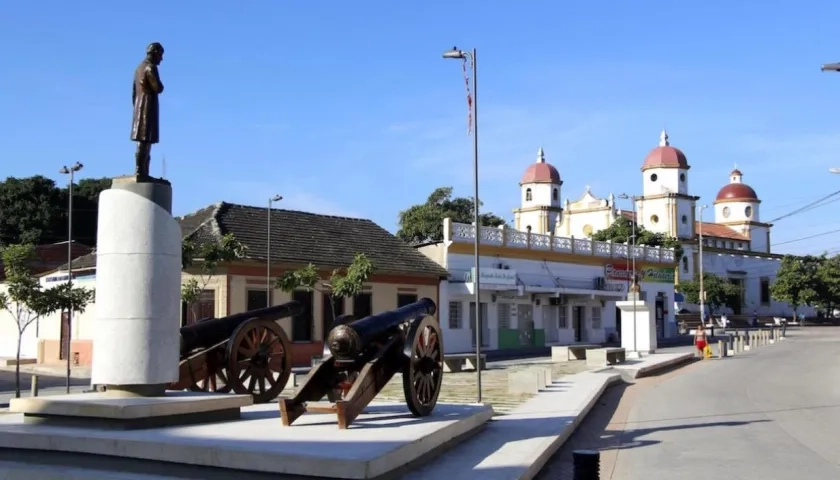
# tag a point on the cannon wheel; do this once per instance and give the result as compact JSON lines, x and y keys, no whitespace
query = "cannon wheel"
{"x":423,"y":372}
{"x":215,"y":377}
{"x":259,"y":360}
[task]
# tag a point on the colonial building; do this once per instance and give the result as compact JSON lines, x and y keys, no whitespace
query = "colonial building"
{"x":401,"y":276}
{"x":736,"y":245}
{"x":538,"y":289}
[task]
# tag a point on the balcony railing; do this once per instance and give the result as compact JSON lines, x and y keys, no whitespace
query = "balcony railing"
{"x":508,"y":237}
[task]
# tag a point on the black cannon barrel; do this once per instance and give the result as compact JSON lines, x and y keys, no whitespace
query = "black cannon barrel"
{"x":209,"y":332}
{"x":347,"y":341}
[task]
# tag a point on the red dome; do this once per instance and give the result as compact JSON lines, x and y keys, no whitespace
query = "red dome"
{"x":540,"y":172}
{"x":665,"y":156}
{"x":736,"y":191}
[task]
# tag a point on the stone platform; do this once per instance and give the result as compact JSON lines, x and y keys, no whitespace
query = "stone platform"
{"x":382,"y":441}
{"x":109,"y":411}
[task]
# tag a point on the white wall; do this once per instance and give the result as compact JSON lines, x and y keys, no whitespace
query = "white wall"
{"x":667,"y":180}
{"x":535,"y":272}
{"x":9,"y":336}
{"x":655,"y":214}
{"x":737,"y":212}
{"x":758,"y":239}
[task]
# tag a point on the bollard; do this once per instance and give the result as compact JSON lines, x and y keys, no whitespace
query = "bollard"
{"x":34,"y":387}
{"x":741,"y":346}
{"x":722,"y":349}
{"x":587,"y":464}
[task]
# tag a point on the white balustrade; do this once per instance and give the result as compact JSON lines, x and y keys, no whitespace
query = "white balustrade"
{"x":465,"y":233}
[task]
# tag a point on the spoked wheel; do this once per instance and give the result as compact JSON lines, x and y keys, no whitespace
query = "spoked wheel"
{"x":259,"y":360}
{"x":214,"y":376}
{"x":423,"y":372}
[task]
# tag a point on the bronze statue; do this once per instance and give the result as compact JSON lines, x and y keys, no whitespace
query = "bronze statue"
{"x":145,"y":127}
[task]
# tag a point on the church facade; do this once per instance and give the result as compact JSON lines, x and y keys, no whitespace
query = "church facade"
{"x":736,"y":244}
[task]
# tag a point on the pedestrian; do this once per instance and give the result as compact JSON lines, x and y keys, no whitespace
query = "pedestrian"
{"x":754,"y":318}
{"x":700,"y":339}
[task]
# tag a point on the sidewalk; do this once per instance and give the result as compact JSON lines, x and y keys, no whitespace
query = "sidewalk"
{"x":51,"y":369}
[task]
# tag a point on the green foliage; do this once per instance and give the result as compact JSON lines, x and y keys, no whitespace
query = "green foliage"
{"x":341,"y":284}
{"x":808,"y":280}
{"x":621,"y":231}
{"x":424,"y":222}
{"x":26,"y":300}
{"x":34,"y":210}
{"x":719,"y":291}
{"x":209,"y":256}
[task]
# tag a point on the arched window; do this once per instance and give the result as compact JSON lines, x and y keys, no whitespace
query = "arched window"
{"x":555,"y":194}
{"x":528,"y":196}
{"x":685,"y":264}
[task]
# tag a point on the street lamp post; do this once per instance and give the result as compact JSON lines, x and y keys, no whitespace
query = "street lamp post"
{"x":471,"y":56}
{"x":271,"y":200}
{"x":700,"y":262}
{"x":633,"y":285}
{"x":65,"y":170}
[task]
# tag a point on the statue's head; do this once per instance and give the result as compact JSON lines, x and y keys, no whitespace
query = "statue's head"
{"x":155,"y":52}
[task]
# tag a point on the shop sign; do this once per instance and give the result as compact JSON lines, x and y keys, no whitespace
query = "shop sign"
{"x":496,"y":277}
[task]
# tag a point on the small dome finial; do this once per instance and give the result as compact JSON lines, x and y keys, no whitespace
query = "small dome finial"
{"x":540,"y":155}
{"x":663,"y":139}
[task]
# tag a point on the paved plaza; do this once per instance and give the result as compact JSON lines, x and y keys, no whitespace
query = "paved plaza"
{"x":461,"y":387}
{"x":769,"y":414}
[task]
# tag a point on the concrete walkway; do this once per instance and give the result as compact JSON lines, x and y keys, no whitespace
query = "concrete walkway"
{"x":770,"y":414}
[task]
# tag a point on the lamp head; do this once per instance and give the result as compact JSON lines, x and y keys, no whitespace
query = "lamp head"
{"x":834,"y":170}
{"x":623,"y":196}
{"x":454,"y":53}
{"x":831,"y":67}
{"x":275,"y":198}
{"x":77,"y":166}
{"x":64,"y":170}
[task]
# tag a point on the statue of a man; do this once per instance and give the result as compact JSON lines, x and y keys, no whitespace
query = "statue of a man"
{"x":145,"y":127}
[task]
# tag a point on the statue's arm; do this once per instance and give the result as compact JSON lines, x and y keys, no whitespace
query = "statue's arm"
{"x":153,"y":77}
{"x":133,"y":93}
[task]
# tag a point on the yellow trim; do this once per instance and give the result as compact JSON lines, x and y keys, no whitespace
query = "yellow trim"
{"x":731,"y":200}
{"x":748,"y":222}
{"x":542,"y":255}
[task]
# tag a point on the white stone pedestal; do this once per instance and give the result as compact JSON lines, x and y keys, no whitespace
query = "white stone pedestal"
{"x":138,"y":286}
{"x":640,"y":337}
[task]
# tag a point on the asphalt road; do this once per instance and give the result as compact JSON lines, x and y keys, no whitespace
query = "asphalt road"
{"x":770,"y":414}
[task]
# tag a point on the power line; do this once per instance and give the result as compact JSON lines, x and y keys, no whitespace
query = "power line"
{"x":810,"y":206}
{"x":807,"y":238}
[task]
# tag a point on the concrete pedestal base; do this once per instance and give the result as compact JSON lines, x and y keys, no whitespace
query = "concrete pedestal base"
{"x":384,"y":440}
{"x":638,"y":326}
{"x":116,"y":411}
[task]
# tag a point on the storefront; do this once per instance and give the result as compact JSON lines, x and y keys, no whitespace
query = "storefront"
{"x":538,"y":290}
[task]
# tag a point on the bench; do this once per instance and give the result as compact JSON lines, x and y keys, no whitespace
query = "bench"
{"x":565,"y":353}
{"x":603,"y":357}
{"x":462,"y":361}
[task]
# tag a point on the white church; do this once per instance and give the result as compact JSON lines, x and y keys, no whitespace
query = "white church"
{"x":736,"y":245}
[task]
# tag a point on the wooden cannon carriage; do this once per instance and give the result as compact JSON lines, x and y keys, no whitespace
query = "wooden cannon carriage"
{"x":247,"y":353}
{"x":361,"y":357}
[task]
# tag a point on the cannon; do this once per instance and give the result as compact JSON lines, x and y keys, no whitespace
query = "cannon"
{"x":247,"y":353}
{"x":360,"y":358}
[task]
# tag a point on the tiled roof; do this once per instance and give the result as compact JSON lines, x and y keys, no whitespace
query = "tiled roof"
{"x":719,"y":231}
{"x":300,"y":238}
{"x":709,"y":229}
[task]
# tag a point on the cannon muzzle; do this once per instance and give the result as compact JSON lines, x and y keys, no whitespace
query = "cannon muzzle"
{"x":347,"y":341}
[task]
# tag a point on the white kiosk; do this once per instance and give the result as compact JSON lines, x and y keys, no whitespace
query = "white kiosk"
{"x":638,"y":335}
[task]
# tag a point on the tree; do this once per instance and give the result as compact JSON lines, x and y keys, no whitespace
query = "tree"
{"x":210,"y":255}
{"x":34,"y":210}
{"x":26,"y":300}
{"x":719,"y":291}
{"x":621,"y":231}
{"x":828,"y":281}
{"x":348,"y":283}
{"x":424,"y":222}
{"x":797,"y":281}
{"x":29,"y":210}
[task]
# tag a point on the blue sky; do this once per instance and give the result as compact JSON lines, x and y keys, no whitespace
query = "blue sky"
{"x":348,"y":108}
